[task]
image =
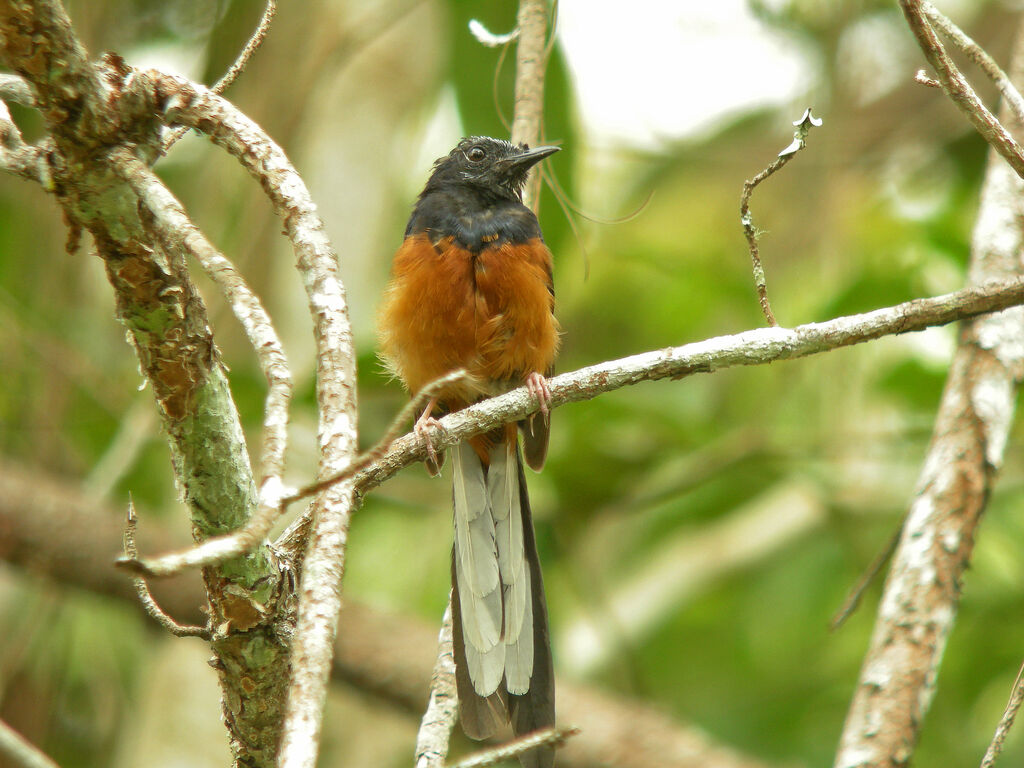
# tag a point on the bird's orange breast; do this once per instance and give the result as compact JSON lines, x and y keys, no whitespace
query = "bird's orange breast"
{"x":490,"y":312}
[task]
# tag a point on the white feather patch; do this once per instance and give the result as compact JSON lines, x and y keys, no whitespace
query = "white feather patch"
{"x":476,"y":559}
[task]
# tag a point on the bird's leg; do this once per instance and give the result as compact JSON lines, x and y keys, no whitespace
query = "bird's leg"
{"x":422,"y":429}
{"x":538,"y":387}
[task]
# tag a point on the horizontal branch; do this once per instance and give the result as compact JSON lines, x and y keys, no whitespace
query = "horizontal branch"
{"x":754,"y":347}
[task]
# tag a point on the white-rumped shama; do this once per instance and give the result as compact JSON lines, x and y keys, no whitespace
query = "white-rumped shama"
{"x":471,"y":288}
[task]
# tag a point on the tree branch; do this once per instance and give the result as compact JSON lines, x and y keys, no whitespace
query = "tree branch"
{"x":21,"y":752}
{"x":176,"y":232}
{"x":146,"y":598}
{"x":320,"y":592}
{"x":531,"y":65}
{"x":516,"y":747}
{"x":759,"y":346}
{"x":236,"y":68}
{"x":921,"y":596}
{"x":52,"y":531}
{"x":959,"y":90}
{"x":979,"y":56}
{"x":803,"y":127}
{"x":89,"y":109}
{"x":995,"y":747}
{"x":443,"y":708}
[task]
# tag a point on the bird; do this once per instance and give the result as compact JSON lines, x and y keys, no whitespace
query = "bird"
{"x":471,"y":289}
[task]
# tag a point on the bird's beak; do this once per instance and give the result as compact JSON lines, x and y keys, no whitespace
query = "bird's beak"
{"x":528,"y":158}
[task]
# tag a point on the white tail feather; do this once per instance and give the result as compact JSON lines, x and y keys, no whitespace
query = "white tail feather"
{"x":476,"y":561}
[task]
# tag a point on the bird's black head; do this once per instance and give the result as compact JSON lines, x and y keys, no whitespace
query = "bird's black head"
{"x":496,"y":169}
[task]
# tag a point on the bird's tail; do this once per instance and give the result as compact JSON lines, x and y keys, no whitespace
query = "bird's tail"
{"x":502,"y":649}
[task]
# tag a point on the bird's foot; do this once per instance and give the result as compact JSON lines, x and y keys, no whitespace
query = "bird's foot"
{"x":539,"y":388}
{"x":422,"y":429}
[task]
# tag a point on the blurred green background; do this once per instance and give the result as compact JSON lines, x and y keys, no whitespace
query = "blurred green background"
{"x":696,"y":536}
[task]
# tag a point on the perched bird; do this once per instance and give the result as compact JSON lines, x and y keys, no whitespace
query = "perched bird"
{"x":471,"y":288}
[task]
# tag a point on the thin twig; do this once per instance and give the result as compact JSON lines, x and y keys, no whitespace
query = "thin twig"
{"x":395,"y":430}
{"x":20,"y":751}
{"x":145,"y":596}
{"x":955,"y":85}
{"x":1006,"y":722}
{"x":854,"y":596}
{"x":554,"y":737}
{"x":220,"y":548}
{"x":979,"y":56}
{"x":443,"y":708}
{"x":803,"y":127}
{"x":531,"y":65}
{"x":254,"y":42}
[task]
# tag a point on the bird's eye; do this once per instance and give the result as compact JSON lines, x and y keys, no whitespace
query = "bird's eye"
{"x":476,"y":154}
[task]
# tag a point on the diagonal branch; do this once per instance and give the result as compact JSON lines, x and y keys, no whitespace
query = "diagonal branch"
{"x":979,"y":56}
{"x":21,"y":752}
{"x":443,"y":708}
{"x":320,"y":592}
{"x":959,"y":90}
{"x":922,"y":592}
{"x":555,"y":737}
{"x":176,"y":232}
{"x":236,"y":68}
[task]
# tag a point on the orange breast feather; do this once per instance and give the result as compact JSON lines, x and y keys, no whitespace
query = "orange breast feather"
{"x":491,"y":314}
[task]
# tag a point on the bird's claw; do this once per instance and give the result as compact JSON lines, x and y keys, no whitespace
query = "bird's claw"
{"x":538,"y":386}
{"x":422,"y":429}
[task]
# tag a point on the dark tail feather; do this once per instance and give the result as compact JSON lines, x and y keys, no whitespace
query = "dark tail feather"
{"x":483,"y":716}
{"x":536,"y":708}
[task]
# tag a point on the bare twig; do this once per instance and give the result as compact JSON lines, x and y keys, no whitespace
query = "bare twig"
{"x":20,"y":751}
{"x":754,"y":347}
{"x":803,"y":127}
{"x":149,"y":604}
{"x":979,"y":56}
{"x":866,"y":579}
{"x":254,"y":42}
{"x":554,"y":737}
{"x":443,"y":709}
{"x":995,"y":748}
{"x":959,"y":90}
{"x":393,"y":432}
{"x":220,"y":548}
{"x":531,"y":65}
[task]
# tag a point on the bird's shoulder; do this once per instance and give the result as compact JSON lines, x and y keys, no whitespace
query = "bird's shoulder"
{"x":473,"y":222}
